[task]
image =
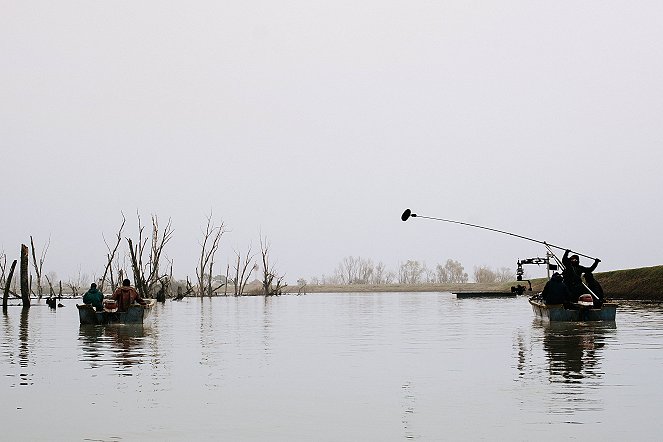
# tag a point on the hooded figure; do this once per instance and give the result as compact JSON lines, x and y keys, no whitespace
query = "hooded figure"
{"x":573,"y":272}
{"x":126,"y":295}
{"x":555,"y":291}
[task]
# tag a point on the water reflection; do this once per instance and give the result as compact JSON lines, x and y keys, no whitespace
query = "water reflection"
{"x":24,"y":347}
{"x":121,"y":345}
{"x":408,"y":403}
{"x":573,"y":350}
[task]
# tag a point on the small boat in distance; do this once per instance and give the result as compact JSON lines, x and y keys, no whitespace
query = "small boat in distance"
{"x":573,"y":312}
{"x":136,"y":314}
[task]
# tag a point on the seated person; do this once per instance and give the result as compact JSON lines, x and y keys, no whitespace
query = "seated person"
{"x":126,"y":295}
{"x":555,"y":291}
{"x":94,"y":297}
{"x":596,"y":288}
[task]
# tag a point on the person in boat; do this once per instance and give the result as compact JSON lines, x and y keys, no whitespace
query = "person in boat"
{"x":94,"y":297}
{"x":573,"y":273}
{"x":596,"y":288}
{"x":555,"y":291}
{"x":126,"y":295}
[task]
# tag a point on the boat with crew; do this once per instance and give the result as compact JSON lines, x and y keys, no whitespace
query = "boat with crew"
{"x":580,"y":301}
{"x":135,"y":314}
{"x":579,"y":311}
{"x":587,"y":307}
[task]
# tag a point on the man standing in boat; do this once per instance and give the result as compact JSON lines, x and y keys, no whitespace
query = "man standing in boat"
{"x":126,"y":295}
{"x":573,"y":272}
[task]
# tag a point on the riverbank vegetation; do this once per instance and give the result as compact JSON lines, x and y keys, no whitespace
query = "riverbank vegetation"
{"x":642,"y":284}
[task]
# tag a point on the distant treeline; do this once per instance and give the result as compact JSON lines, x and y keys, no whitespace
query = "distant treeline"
{"x":357,"y":270}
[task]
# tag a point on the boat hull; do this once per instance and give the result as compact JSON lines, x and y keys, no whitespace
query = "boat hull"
{"x":559,"y":313}
{"x":136,"y":314}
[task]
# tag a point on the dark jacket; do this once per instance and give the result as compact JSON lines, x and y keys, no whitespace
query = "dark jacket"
{"x":573,"y":274}
{"x":95,"y":298}
{"x":555,"y":291}
{"x":125,"y":296}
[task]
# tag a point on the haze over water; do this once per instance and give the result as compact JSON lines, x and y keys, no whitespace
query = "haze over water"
{"x":387,"y":366}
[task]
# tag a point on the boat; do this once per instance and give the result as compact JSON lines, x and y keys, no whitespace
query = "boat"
{"x":136,"y":314}
{"x":574,"y":312}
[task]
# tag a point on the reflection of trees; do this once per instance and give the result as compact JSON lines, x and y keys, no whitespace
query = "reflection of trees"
{"x":24,"y":347}
{"x":573,"y":349}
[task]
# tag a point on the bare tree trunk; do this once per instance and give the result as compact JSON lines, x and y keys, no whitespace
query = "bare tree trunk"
{"x":138,"y":280}
{"x":50,"y":287}
{"x":8,"y":282}
{"x":243,"y":273}
{"x":38,"y":265}
{"x":225,"y":289}
{"x":146,"y":276}
{"x":268,"y":272}
{"x":111,"y":256}
{"x":210,"y":245}
{"x":25,"y":288}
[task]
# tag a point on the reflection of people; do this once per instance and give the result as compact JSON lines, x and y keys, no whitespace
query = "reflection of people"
{"x":126,"y":295}
{"x":94,"y":297}
{"x":573,"y":272}
{"x":575,"y":352}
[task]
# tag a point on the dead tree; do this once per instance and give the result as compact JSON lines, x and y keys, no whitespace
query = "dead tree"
{"x":51,"y":291}
{"x":146,"y":274}
{"x":8,"y":282}
{"x":108,"y":271}
{"x":243,"y":269}
{"x":3,"y":267}
{"x":25,"y":286}
{"x":272,"y":284}
{"x":38,"y":265}
{"x":209,"y":247}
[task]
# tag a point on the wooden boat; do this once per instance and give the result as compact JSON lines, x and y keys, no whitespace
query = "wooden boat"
{"x":136,"y":314}
{"x":576,"y":312}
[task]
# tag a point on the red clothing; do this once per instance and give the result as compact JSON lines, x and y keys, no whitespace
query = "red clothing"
{"x":125,"y":296}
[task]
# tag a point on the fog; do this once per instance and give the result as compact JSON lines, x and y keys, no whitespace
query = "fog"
{"x":317,"y":123}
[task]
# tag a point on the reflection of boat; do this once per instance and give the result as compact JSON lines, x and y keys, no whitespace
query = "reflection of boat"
{"x":575,"y":312}
{"x":120,"y":345}
{"x":575,"y":351}
{"x":135,"y":315}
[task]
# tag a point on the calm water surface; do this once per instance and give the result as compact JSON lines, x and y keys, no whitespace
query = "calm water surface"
{"x":332,"y":367}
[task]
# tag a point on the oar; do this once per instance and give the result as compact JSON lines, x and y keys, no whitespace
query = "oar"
{"x":408,"y":214}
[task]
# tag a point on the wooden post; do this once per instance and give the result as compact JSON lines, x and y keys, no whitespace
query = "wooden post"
{"x":25,"y":288}
{"x":8,"y":284}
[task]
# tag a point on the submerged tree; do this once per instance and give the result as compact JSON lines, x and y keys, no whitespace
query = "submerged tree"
{"x":209,"y":247}
{"x":145,"y":266}
{"x":244,"y":267}
{"x":272,"y":283}
{"x":38,"y":265}
{"x":108,"y":271}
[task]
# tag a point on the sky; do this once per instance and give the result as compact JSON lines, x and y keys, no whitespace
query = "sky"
{"x":316,"y":123}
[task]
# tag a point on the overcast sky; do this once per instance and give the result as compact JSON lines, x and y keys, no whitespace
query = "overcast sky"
{"x":318,"y":122}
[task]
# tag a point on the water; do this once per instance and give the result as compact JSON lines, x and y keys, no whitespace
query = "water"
{"x":331,"y":367}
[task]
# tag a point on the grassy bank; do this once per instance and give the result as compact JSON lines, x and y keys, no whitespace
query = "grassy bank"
{"x":633,"y":284}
